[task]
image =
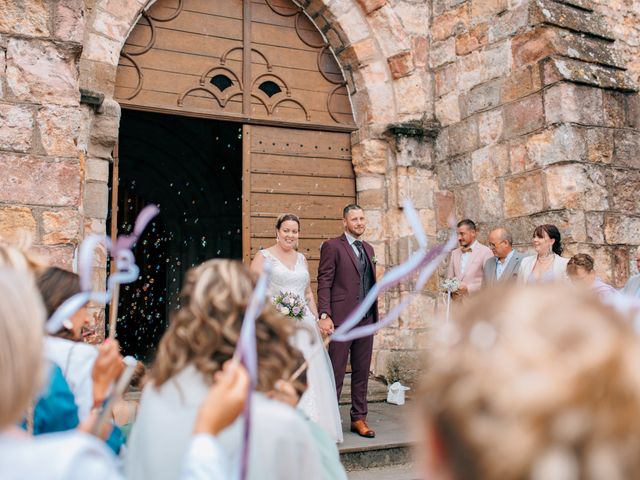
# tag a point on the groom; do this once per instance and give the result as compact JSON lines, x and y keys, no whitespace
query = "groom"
{"x":345,"y":275}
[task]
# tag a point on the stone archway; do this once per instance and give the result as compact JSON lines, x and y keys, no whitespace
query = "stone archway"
{"x":383,"y":52}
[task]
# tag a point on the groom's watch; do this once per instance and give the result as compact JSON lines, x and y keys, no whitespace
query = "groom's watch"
{"x":323,"y":315}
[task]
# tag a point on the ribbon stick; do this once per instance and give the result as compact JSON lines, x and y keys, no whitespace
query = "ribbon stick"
{"x":123,"y":257}
{"x":126,"y":271}
{"x":247,"y":353}
{"x":425,"y":261}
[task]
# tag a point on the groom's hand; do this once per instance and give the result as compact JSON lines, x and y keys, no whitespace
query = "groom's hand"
{"x":326,"y":326}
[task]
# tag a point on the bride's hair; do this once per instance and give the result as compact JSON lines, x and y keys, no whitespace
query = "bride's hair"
{"x":285,"y":217}
{"x":204,"y":331}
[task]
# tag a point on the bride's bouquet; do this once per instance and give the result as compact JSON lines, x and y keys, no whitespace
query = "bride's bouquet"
{"x":290,"y":304}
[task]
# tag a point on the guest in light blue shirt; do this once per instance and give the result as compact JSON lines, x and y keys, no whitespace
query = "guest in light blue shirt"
{"x":505,"y":263}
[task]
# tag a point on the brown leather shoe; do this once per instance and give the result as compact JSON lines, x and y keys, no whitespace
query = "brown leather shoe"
{"x":361,"y":428}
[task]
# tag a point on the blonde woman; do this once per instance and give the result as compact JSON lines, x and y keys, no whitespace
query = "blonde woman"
{"x":539,"y":383}
{"x":75,"y":455}
{"x":547,"y":265}
{"x":202,"y":336}
{"x":290,"y":273}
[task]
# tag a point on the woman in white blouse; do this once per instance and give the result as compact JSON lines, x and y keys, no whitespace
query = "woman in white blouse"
{"x":74,"y":455}
{"x":547,"y":265}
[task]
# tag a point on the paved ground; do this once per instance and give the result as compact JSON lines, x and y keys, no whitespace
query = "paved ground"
{"x":390,"y":423}
{"x":398,"y":472}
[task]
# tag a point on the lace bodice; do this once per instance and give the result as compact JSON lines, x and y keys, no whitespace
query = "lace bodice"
{"x":287,"y":280}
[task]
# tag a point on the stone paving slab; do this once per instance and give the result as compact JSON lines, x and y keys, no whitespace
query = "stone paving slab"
{"x":390,"y":423}
{"x":395,"y":472}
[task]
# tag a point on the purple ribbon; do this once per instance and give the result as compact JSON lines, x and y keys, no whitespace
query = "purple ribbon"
{"x":247,"y":353}
{"x":425,"y":261}
{"x":126,"y":269}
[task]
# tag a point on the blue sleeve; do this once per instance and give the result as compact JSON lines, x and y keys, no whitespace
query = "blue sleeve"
{"x":56,"y":410}
{"x":116,"y":440}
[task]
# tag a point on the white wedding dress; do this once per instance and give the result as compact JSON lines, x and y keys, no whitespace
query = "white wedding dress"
{"x":319,"y":401}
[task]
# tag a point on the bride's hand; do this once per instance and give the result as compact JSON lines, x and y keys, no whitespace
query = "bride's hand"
{"x":326,"y":326}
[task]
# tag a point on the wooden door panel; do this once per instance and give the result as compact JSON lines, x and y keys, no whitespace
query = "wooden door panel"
{"x":281,"y":176}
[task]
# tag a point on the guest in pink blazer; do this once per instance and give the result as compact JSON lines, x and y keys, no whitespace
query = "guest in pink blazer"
{"x":467,"y":262}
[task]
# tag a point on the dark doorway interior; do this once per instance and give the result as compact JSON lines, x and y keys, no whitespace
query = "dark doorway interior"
{"x":192,"y":169}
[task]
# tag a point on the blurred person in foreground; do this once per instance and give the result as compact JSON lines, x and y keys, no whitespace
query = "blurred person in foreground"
{"x":632,"y":287}
{"x":75,"y":455}
{"x":537,"y":383}
{"x":581,"y":272}
{"x":201,"y":337}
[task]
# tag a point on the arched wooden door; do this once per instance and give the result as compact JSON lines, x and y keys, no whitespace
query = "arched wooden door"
{"x":263,"y":64}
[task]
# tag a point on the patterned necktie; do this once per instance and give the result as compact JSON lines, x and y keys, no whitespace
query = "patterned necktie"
{"x":362,"y":258}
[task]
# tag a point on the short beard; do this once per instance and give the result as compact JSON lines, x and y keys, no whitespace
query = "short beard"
{"x":353,"y":234}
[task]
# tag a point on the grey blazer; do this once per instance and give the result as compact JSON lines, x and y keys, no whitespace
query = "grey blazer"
{"x":510,"y":272}
{"x":632,"y":286}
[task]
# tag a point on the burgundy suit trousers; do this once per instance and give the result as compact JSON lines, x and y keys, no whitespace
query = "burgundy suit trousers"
{"x":360,"y":350}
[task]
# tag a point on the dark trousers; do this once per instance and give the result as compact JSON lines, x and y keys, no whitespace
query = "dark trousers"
{"x":360,"y":350}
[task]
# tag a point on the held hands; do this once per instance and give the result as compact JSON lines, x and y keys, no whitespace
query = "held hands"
{"x":225,"y":400}
{"x":462,"y":290}
{"x":326,"y":326}
{"x":106,"y":369}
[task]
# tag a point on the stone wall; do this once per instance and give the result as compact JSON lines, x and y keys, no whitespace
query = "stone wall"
{"x":510,"y":112}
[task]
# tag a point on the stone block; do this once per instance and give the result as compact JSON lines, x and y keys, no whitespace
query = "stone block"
{"x":420,"y":48}
{"x":401,"y":64}
{"x":620,"y":267}
{"x":373,"y":199}
{"x":490,"y":162}
{"x":490,"y":127}
{"x":69,"y":20}
{"x":565,"y":102}
{"x":553,"y":13}
{"x":412,"y":97}
{"x":451,"y":23}
{"x":445,"y":79}
{"x":523,"y":195}
{"x":576,"y":186}
{"x":370,"y":156}
{"x":558,"y":69}
{"x":474,"y":39}
{"x":484,"y":96}
{"x":626,"y":145}
{"x":98,"y":170}
{"x":615,"y":106}
{"x":448,"y":109}
{"x":455,"y":171}
{"x":369,"y":6}
{"x":442,"y":52}
{"x":102,"y":49}
{"x":29,"y":18}
{"x":523,"y":116}
{"x":497,"y":60}
{"x":110,"y":25}
{"x":413,"y":16}
{"x":463,"y":136}
{"x":509,"y":23}
{"x":621,"y":229}
{"x":31,"y":180}
{"x":531,"y":46}
{"x":42,"y":72}
{"x":59,"y":127}
{"x":485,"y":9}
{"x":17,"y":224}
{"x":490,"y":201}
{"x":521,"y":83}
{"x":471,"y":71}
{"x":16,"y":127}
{"x":594,"y":226}
{"x":390,"y":33}
{"x":624,"y":190}
{"x":441,"y":6}
{"x":96,"y":199}
{"x":468,"y":201}
{"x":55,"y":255}
{"x":554,"y":145}
{"x":518,"y":157}
{"x":599,"y":144}
{"x":60,"y":226}
{"x":445,"y":208}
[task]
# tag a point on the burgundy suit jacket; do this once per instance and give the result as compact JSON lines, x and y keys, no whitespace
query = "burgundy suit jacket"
{"x":339,"y":279}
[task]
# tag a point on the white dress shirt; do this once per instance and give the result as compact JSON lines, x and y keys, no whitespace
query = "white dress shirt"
{"x":464,"y":258}
{"x":500,"y":266}
{"x":351,"y":239}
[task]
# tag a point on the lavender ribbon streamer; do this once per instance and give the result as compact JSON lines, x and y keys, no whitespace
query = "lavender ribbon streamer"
{"x":126,"y":269}
{"x":425,"y":261}
{"x":246,"y":351}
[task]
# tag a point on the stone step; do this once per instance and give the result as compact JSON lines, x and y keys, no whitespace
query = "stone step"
{"x":392,"y":445}
{"x":377,"y":391}
{"x":394,"y":472}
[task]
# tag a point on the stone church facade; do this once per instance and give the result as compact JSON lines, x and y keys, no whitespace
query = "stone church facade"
{"x":509,"y":112}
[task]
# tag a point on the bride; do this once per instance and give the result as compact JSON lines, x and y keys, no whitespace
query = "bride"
{"x":290,"y":273}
